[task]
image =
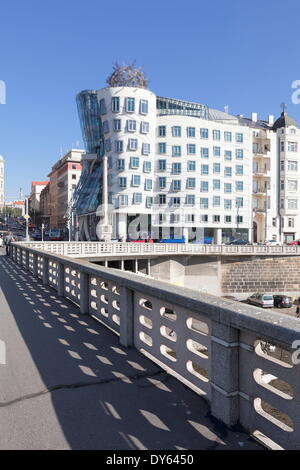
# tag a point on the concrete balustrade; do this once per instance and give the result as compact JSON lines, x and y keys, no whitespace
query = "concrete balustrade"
{"x":236,"y":356}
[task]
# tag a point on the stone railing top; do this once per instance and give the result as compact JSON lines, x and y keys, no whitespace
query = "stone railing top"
{"x":276,"y":327}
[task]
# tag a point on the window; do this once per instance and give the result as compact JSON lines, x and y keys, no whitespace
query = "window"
{"x":228,"y":171}
{"x":147,"y":167}
{"x":144,"y":127}
{"x":292,"y":146}
{"x":119,"y":145}
{"x":239,"y":137}
{"x":282,"y":165}
{"x":190,"y":199}
{"x":228,"y":155}
{"x":123,"y":200}
{"x":216,"y":218}
{"x":161,"y":165}
{"x":115,"y":104}
{"x":239,"y":202}
{"x":204,"y":186}
{"x":176,"y":131}
{"x":105,"y":127}
{"x":148,"y":184}
{"x":132,"y":144}
{"x":191,"y":183}
{"x":131,"y":125}
{"x":239,"y":186}
{"x":217,"y":168}
{"x":191,"y":149}
{"x":73,"y":166}
{"x":204,"y":152}
{"x":162,"y":147}
{"x":102,"y":106}
{"x":144,"y":106}
{"x":216,"y":135}
{"x":292,"y":165}
{"x":176,"y":151}
{"x":117,"y":124}
{"x":227,"y":187}
{"x":191,"y":165}
{"x":204,"y":169}
{"x":176,"y":201}
{"x":216,"y":201}
{"x":149,"y":201}
{"x":204,"y":133}
{"x":189,"y":218}
{"x":176,"y":185}
{"x":217,"y":151}
{"x":145,"y":148}
{"x":134,"y":163}
{"x":107,"y":145}
{"x":204,"y":218}
{"x":282,"y":146}
{"x":227,"y":219}
{"x":191,"y":131}
{"x":121,"y":164}
{"x":174,"y":218}
{"x":123,"y":182}
{"x":162,"y":131}
{"x":73,"y":177}
{"x":292,"y":204}
{"x":162,"y":199}
{"x":239,"y":170}
{"x":130,"y":105}
{"x":203,"y":203}
{"x":137,"y":198}
{"x":239,"y":154}
{"x":162,"y":182}
{"x":281,"y":203}
{"x":291,"y":222}
{"x":176,"y":168}
{"x":216,"y":184}
{"x":136,"y":180}
{"x":282,"y":185}
{"x":227,"y":204}
{"x":239,"y":219}
{"x":227,"y":136}
{"x":292,"y":185}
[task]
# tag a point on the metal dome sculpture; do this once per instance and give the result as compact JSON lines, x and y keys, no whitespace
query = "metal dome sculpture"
{"x":127,"y":75}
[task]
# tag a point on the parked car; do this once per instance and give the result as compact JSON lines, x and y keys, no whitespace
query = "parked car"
{"x":172,"y":240}
{"x":239,"y":241}
{"x":282,"y":301}
{"x":295,"y":242}
{"x":272,"y":243}
{"x":55,"y":234}
{"x":261,"y":300}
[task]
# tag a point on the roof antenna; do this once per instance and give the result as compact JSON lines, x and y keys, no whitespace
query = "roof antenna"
{"x":226,"y":109}
{"x":283,"y":107}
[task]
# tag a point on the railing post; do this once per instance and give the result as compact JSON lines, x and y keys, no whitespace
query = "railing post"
{"x":61,"y":279}
{"x":126,"y":317}
{"x":45,"y":270}
{"x":84,"y":293}
{"x":225,"y":373}
{"x":35,"y":265}
{"x":27,"y":260}
{"x":12,"y":252}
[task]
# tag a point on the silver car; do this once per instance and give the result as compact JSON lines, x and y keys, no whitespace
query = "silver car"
{"x":261,"y":300}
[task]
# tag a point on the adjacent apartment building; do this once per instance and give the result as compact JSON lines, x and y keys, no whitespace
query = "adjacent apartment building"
{"x":182,"y":169}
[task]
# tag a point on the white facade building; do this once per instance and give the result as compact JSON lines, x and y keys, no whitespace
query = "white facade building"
{"x":1,"y":181}
{"x":181,"y":169}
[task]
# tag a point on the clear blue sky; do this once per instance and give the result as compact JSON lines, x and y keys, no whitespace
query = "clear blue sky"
{"x":236,"y":53}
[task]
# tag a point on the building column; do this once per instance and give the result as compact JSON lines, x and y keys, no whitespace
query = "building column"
{"x":122,"y":226}
{"x":218,"y":236}
{"x":186,"y":234}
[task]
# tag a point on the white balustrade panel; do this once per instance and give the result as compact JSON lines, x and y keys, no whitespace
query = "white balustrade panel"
{"x":72,"y":284}
{"x":105,"y":302}
{"x":176,"y":338}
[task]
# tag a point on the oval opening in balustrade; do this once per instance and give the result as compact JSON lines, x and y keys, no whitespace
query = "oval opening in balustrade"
{"x":104,"y":299}
{"x":197,"y":348}
{"x":115,"y":290}
{"x":116,"y":304}
{"x":197,"y":325}
{"x":274,"y":384}
{"x":93,"y":293}
{"x":116,"y":319}
{"x":104,"y":285}
{"x":197,"y":371}
{"x":273,"y":353}
{"x":168,"y":313}
{"x":104,"y":311}
{"x":270,"y":413}
{"x":168,"y":353}
{"x":168,"y":333}
{"x":145,"y":338}
{"x":144,"y":303}
{"x":145,"y":321}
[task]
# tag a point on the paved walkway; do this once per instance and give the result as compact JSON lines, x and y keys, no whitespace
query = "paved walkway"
{"x":67,"y":384}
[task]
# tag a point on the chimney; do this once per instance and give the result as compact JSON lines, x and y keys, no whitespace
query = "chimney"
{"x":271,"y":119}
{"x":254,"y":117}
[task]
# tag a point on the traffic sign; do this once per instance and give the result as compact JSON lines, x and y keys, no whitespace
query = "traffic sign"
{"x":26,"y":216}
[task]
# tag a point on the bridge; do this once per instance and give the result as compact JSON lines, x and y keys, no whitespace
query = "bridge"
{"x":225,"y":370}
